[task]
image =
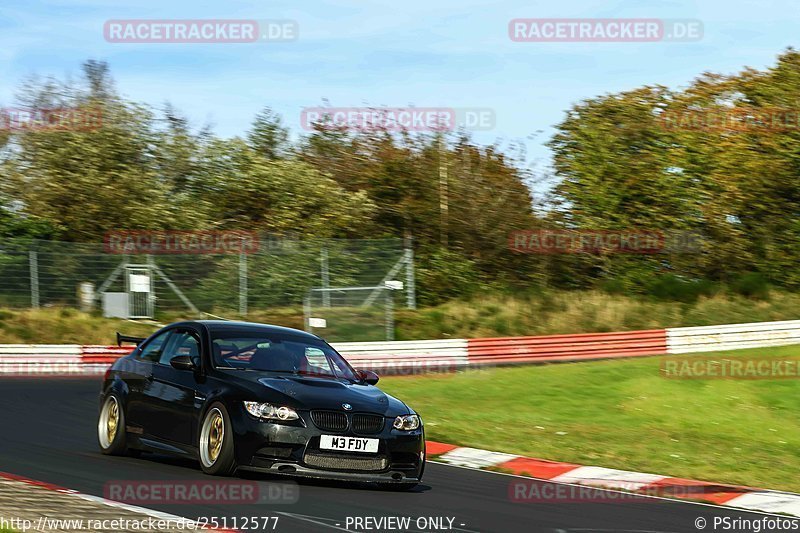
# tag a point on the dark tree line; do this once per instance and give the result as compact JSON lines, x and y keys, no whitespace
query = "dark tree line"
{"x":637,"y":159}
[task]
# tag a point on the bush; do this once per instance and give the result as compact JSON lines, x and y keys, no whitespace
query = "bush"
{"x":614,"y":286}
{"x":671,"y":287}
{"x":442,"y":275}
{"x":751,"y":285}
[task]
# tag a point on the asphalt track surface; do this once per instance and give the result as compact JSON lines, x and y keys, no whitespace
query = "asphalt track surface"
{"x":48,"y":434}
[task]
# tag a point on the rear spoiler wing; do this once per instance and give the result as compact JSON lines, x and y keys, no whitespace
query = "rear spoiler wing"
{"x":125,"y":338}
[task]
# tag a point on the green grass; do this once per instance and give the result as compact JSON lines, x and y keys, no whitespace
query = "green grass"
{"x":63,"y":326}
{"x":621,"y":414}
{"x":59,"y":325}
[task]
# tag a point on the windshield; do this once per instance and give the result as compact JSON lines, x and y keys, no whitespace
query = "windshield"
{"x":275,"y":352}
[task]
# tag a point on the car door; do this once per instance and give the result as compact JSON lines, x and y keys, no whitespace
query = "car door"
{"x":173,"y":400}
{"x":139,"y":378}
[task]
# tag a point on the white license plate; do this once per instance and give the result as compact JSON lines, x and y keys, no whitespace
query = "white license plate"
{"x":348,"y":444}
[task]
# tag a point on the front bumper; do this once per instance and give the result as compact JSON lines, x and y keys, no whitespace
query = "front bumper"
{"x":293,"y":449}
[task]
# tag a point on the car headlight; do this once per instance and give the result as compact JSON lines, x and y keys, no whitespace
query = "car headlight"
{"x":271,"y":412}
{"x":406,"y":422}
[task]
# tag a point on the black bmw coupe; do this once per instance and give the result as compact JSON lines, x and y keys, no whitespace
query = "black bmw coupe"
{"x":244,"y":396}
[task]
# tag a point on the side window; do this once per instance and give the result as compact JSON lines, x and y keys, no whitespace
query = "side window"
{"x":182,"y":343}
{"x":152,"y":350}
{"x":316,"y":362}
{"x":316,"y":357}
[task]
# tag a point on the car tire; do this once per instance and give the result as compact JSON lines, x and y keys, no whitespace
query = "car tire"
{"x":111,"y":435}
{"x":215,"y":442}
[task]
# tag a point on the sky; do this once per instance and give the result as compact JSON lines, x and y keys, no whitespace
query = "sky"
{"x":439,"y":53}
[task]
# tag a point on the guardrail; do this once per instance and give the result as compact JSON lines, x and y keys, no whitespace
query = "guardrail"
{"x":733,"y":336}
{"x":505,"y":350}
{"x":103,"y":354}
{"x":412,"y":357}
{"x":41,"y":359}
{"x":405,"y":357}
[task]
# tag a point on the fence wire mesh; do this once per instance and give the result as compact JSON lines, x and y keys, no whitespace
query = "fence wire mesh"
{"x":347,"y":313}
{"x":280,"y":273}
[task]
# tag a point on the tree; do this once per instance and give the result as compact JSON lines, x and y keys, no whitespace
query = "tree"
{"x":268,"y":136}
{"x":86,"y":182}
{"x":250,"y":191}
{"x":708,"y":159}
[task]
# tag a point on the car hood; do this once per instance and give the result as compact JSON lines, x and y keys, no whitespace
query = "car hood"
{"x":303,"y":392}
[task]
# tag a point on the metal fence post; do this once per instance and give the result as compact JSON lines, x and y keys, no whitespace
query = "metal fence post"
{"x":151,"y":296}
{"x":411,"y":289}
{"x":243,"y":283}
{"x":307,"y":313}
{"x":33,"y":263}
{"x":326,"y":279}
{"x":389,"y":314}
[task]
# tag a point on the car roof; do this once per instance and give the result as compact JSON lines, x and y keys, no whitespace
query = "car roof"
{"x":222,"y":325}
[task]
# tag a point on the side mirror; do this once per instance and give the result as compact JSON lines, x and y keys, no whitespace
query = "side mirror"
{"x":369,"y":377}
{"x":182,"y":362}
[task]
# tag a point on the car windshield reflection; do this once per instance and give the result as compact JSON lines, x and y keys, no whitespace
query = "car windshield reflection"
{"x":279,"y":354}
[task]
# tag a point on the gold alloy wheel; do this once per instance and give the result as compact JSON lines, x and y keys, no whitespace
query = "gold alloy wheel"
{"x":109,"y":422}
{"x":215,"y":437}
{"x":212,"y":437}
{"x":113,"y":420}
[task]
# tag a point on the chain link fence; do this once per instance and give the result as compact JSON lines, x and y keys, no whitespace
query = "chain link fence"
{"x":345,"y":313}
{"x":281,"y":273}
